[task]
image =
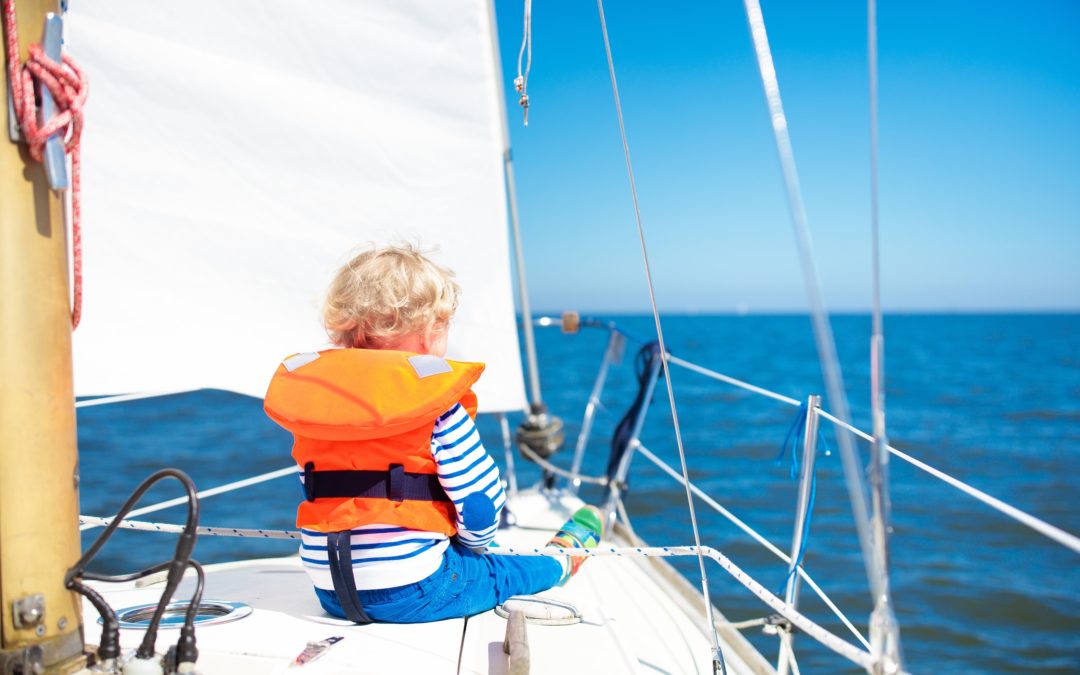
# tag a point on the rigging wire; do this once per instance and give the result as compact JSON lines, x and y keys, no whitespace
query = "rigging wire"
{"x":521,"y":82}
{"x":884,"y":631}
{"x":826,"y":346}
{"x":719,"y":656}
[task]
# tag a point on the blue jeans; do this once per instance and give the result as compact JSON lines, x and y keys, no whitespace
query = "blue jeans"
{"x":467,"y":583}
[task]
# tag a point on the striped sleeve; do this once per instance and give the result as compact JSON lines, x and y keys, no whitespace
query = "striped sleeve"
{"x":469,"y":476}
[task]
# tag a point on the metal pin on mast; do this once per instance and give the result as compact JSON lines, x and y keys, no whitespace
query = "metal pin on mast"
{"x":519,"y":85}
{"x":53,"y":157}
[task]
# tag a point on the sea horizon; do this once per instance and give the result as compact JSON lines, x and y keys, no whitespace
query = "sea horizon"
{"x":1068,"y":311}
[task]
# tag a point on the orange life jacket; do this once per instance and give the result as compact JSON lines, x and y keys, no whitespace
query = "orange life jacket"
{"x":361,"y":412}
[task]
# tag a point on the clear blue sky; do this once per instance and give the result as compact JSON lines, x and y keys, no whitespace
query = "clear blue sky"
{"x":980,"y":154}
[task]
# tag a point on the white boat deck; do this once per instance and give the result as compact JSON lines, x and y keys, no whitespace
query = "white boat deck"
{"x":636,"y":618}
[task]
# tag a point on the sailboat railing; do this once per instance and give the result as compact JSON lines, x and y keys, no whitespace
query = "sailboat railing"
{"x":756,"y":536}
{"x":1041,"y":526}
{"x":1052,"y":532}
{"x":804,"y":623}
{"x":720,"y":377}
{"x":789,"y":612}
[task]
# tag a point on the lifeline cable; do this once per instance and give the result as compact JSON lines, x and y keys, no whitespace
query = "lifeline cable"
{"x":228,"y":487}
{"x":833,"y":642}
{"x":756,"y":536}
{"x":1044,"y":528}
{"x":820,"y":634}
{"x":242,"y":533}
{"x":145,"y":526}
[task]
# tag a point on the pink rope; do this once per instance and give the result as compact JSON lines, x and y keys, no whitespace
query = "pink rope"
{"x":67,"y":84}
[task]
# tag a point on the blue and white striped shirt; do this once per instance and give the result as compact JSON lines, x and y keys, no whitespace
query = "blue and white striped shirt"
{"x":385,"y":556}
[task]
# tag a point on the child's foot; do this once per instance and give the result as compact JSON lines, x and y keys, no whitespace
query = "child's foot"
{"x":583,"y":530}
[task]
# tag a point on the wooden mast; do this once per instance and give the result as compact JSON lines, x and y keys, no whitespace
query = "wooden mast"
{"x":41,"y":626}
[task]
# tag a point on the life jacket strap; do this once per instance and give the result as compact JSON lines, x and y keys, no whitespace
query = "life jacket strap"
{"x":394,"y":484}
{"x":339,"y":554}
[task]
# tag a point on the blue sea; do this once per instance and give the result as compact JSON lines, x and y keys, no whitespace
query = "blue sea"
{"x":991,"y":399}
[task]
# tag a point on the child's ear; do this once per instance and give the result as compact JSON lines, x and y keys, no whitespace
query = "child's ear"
{"x":431,"y":335}
{"x":427,"y":339}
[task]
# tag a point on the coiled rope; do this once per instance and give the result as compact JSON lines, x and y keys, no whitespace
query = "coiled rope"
{"x":67,"y":83}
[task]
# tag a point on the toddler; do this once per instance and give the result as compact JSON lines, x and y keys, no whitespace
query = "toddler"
{"x":400,"y":494}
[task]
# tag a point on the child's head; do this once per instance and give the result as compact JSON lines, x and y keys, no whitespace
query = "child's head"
{"x":391,"y":298}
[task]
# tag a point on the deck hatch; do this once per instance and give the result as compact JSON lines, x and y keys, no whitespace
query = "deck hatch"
{"x":210,"y":612}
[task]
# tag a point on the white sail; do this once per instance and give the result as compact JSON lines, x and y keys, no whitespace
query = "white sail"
{"x":236,"y":153}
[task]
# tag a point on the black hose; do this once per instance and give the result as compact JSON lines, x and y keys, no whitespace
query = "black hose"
{"x":186,"y":651}
{"x":109,"y":645}
{"x":184,"y":546}
{"x":120,"y":578}
{"x":193,"y":514}
{"x":176,"y":566}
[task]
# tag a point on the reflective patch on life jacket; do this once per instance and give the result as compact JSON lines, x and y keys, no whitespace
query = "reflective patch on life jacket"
{"x":294,"y":362}
{"x":427,"y":365}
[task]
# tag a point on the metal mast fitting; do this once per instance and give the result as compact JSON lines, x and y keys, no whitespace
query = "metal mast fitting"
{"x":40,"y":628}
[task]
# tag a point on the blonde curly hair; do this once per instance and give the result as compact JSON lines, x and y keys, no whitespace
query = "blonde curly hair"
{"x":384,"y":294}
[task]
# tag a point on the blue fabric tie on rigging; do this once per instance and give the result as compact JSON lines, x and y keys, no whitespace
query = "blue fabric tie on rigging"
{"x":620,"y":439}
{"x":795,"y":441}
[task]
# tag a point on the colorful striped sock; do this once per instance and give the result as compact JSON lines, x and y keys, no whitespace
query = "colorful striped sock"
{"x":583,"y":530}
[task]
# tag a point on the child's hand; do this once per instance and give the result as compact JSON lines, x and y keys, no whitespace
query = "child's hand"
{"x":478,"y":513}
